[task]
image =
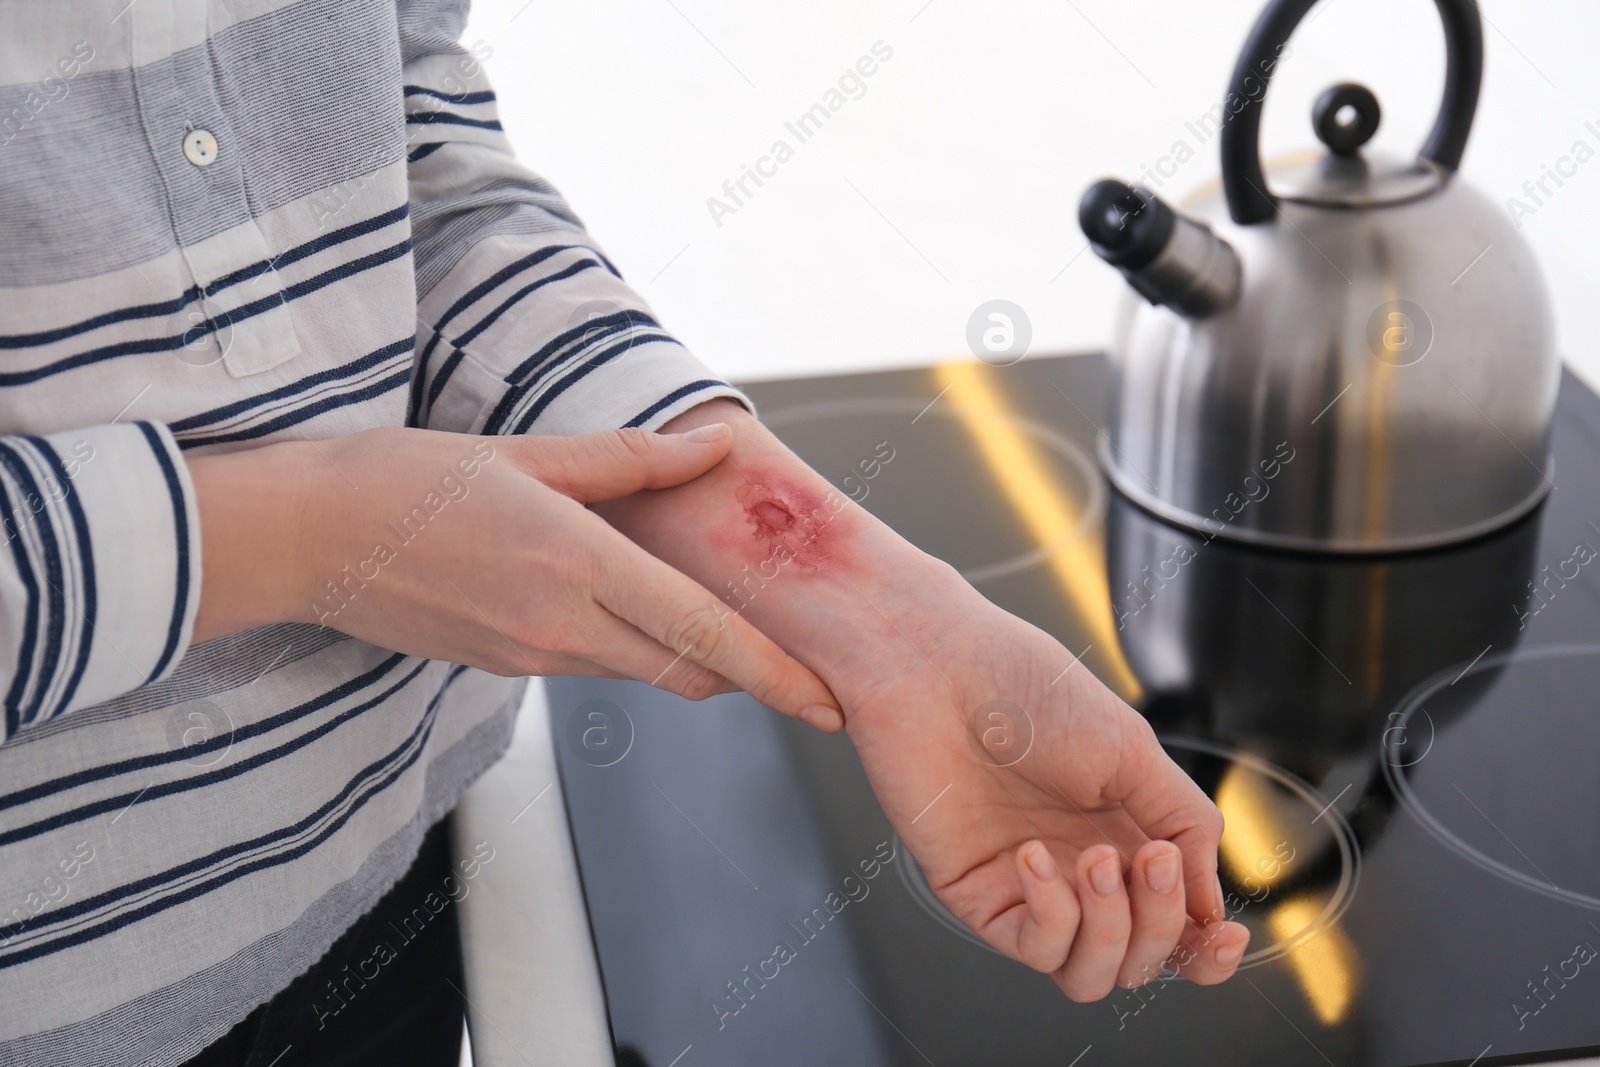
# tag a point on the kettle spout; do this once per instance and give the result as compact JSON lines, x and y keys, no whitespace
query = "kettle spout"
{"x":1166,"y":257}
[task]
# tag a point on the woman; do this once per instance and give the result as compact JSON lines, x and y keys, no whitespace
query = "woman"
{"x":326,"y":422}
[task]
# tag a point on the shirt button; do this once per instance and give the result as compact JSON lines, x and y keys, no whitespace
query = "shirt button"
{"x":200,"y":147}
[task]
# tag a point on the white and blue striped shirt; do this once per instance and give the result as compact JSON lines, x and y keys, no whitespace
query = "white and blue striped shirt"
{"x":224,"y":223}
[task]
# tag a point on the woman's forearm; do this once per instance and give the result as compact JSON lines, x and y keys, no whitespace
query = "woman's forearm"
{"x":830,"y":583}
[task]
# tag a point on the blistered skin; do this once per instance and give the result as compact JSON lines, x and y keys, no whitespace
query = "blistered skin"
{"x":785,"y":527}
{"x":772,"y":517}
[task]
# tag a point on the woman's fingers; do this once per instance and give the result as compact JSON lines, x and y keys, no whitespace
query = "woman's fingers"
{"x":1050,"y":921}
{"x":1210,"y":953}
{"x":1167,"y":805}
{"x":557,"y":665}
{"x":1102,"y":940}
{"x":681,"y":614}
{"x":624,"y":649}
{"x":1156,"y":889}
{"x":1094,"y":930}
{"x":604,"y":466}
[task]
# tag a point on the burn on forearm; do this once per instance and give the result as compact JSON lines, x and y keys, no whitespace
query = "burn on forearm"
{"x":790,"y":527}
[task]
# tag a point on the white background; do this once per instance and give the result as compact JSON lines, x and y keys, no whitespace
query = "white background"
{"x":955,"y":178}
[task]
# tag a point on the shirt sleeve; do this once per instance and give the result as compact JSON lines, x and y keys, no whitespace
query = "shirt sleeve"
{"x":99,"y":576}
{"x":524,"y":326}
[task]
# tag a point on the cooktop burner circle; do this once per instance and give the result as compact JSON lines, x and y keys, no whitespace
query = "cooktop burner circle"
{"x":1334,"y":831}
{"x":1090,"y":487}
{"x":1403,"y":770}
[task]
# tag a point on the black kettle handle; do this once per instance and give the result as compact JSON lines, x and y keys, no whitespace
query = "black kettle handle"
{"x":1249,"y":201}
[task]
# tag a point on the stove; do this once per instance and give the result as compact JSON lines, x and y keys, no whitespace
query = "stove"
{"x":1405,"y":748}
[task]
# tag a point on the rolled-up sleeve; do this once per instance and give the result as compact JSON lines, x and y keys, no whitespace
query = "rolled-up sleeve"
{"x":99,"y":579}
{"x":524,"y":326}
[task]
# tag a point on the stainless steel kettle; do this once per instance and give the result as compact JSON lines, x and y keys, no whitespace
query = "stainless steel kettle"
{"x":1349,"y":355}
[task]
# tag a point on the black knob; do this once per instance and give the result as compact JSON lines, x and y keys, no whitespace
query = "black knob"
{"x":1345,"y":117}
{"x":1127,"y":226}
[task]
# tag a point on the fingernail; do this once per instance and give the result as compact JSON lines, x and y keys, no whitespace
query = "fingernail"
{"x":1040,"y":862}
{"x":828,"y":720}
{"x":1228,"y":955}
{"x":1163,"y":872}
{"x":1105,"y":876}
{"x":715,"y":431}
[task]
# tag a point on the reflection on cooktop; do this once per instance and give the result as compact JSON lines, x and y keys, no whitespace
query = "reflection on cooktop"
{"x":1403,"y":747}
{"x":1297,"y":657}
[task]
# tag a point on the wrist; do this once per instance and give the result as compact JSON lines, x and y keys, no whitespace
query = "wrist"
{"x":862,"y":620}
{"x":258,"y":517}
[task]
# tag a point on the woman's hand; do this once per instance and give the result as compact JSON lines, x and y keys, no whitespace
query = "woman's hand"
{"x":1044,"y":813}
{"x":481,"y":551}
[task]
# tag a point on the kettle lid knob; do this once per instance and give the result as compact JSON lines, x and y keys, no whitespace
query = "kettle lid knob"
{"x":1345,"y":117}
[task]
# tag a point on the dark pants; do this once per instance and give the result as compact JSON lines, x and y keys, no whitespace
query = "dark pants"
{"x":409,"y":1012}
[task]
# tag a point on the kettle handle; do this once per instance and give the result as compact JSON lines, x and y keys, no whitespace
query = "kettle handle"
{"x":1249,"y":201}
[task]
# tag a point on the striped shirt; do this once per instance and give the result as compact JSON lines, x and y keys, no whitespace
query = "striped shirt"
{"x":225,"y":223}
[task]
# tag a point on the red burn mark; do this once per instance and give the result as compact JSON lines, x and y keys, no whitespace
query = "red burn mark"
{"x":771,"y":516}
{"x":790,"y":530}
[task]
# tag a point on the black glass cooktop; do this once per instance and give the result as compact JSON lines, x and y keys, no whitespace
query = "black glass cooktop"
{"x":1406,"y":750}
